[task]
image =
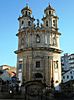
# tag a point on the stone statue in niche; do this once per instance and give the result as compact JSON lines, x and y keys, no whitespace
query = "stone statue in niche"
{"x":54,"y":40}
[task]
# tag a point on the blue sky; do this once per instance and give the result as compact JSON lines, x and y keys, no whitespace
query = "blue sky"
{"x":9,"y":13}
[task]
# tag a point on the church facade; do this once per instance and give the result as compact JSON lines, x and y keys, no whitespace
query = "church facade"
{"x":38,"y":54}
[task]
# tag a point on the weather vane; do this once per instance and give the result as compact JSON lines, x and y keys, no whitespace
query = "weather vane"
{"x":27,"y":2}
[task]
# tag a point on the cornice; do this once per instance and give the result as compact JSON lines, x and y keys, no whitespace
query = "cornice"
{"x":39,"y":48}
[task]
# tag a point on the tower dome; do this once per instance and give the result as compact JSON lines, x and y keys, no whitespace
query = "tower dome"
{"x":26,"y":20}
{"x":26,"y":11}
{"x":49,"y":8}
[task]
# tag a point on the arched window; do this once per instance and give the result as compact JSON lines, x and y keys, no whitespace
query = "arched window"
{"x":22,"y":22}
{"x":46,"y":23}
{"x":29,"y":23}
{"x":25,"y":13}
{"x":54,"y":23}
{"x":37,"y":38}
{"x":49,"y":12}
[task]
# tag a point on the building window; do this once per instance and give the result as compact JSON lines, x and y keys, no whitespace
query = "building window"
{"x":56,"y":81}
{"x":67,"y":77}
{"x":54,"y":22}
{"x":46,"y":23}
{"x":71,"y":77}
{"x":38,"y":75}
{"x":49,"y":12}
{"x":20,"y":66}
{"x":37,"y":64}
{"x":26,"y":13}
{"x":29,"y":23}
{"x":63,"y":77}
{"x":37,"y":38}
{"x":22,"y":22}
{"x":71,"y":72}
{"x":29,"y":13}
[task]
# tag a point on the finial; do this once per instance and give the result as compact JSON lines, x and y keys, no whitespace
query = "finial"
{"x":49,"y":4}
{"x":26,"y":4}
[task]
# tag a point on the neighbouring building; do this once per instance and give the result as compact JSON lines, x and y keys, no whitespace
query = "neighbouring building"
{"x":4,"y":75}
{"x":68,"y":81}
{"x":9,"y":69}
{"x":39,"y":54}
{"x":68,"y":75}
{"x":67,"y":61}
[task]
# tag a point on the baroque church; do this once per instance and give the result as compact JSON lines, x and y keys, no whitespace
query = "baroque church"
{"x":38,"y":54}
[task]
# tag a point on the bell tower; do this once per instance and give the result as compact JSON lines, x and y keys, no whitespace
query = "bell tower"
{"x":50,"y":18}
{"x":50,"y":22}
{"x":26,"y":20}
{"x":26,"y":23}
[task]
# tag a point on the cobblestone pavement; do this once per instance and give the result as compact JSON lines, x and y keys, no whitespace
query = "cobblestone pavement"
{"x":6,"y":96}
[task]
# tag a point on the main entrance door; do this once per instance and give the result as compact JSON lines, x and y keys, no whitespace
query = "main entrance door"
{"x":34,"y":90}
